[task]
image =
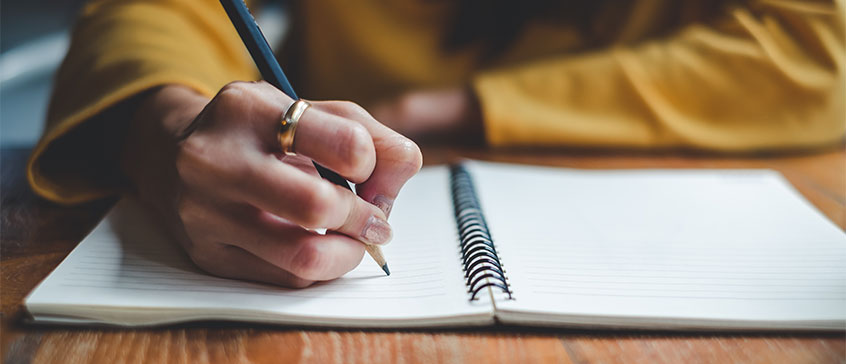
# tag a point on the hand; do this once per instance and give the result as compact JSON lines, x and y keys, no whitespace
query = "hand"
{"x":213,"y":171}
{"x":444,"y":116}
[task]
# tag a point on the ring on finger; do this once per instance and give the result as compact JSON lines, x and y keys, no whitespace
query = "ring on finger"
{"x":288,"y":126}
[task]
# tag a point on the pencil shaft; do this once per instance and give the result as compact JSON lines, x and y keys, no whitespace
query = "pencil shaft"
{"x":269,"y":68}
{"x":271,"y":71}
{"x":257,"y":45}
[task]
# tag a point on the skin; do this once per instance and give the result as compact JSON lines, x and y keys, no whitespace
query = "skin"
{"x":239,"y":207}
{"x":450,"y":115}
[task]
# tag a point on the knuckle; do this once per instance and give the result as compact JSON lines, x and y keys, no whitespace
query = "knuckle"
{"x":309,"y":262}
{"x":209,"y":259}
{"x":204,"y":260}
{"x":232,"y":96}
{"x":351,"y":110}
{"x":318,"y":205}
{"x":185,"y":160}
{"x":234,"y":88}
{"x":356,"y":147}
{"x":228,"y":94}
{"x":187,"y":211}
{"x":296,"y":282}
{"x":202,"y":162}
{"x":194,"y":224}
{"x":194,"y":161}
{"x":406,"y":153}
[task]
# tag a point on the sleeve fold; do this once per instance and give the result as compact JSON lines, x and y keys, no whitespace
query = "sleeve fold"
{"x":766,"y":76}
{"x":118,"y":50}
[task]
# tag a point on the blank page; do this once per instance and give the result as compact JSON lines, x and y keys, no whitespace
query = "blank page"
{"x":662,"y":248}
{"x":126,"y":273}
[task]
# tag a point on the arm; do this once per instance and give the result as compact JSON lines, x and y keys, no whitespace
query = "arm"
{"x":120,"y":49}
{"x":225,"y":192}
{"x":144,"y":101}
{"x":768,"y":76}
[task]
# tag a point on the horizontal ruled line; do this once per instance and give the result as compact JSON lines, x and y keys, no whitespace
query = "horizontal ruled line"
{"x":707,"y":271}
{"x":695,"y":297}
{"x":282,"y":294}
{"x":674,"y":290}
{"x":541,"y":275}
{"x":690,"y":283}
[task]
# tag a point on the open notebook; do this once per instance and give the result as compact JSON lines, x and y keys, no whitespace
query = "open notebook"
{"x":667,"y":249}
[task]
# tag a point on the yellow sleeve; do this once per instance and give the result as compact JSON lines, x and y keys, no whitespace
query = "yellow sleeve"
{"x":120,"y":49}
{"x":765,"y":76}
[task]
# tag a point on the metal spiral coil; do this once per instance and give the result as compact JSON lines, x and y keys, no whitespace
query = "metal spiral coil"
{"x":482,"y":267}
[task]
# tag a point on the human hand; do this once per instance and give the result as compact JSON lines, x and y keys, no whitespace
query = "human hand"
{"x":240,"y":207}
{"x":442,"y":116}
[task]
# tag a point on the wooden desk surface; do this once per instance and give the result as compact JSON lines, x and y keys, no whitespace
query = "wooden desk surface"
{"x":37,"y":235}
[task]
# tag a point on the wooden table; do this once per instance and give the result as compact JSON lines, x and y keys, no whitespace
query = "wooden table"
{"x":36,"y":235}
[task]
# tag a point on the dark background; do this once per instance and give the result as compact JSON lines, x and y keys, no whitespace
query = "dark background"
{"x":33,"y":39}
{"x":25,"y":20}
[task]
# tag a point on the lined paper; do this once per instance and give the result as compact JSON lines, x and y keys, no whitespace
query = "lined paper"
{"x":633,"y":274}
{"x":679,"y":248}
{"x":127,"y":272}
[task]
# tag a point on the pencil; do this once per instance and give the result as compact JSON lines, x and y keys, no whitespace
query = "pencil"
{"x":272,"y":72}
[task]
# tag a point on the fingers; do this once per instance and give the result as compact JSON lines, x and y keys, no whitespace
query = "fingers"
{"x":241,"y":205}
{"x":309,"y":201}
{"x":397,"y":157}
{"x":304,"y":253}
{"x":337,"y":143}
{"x":288,"y":253}
{"x":343,"y":137}
{"x":400,"y":159}
{"x":220,"y":160}
{"x":230,"y":261}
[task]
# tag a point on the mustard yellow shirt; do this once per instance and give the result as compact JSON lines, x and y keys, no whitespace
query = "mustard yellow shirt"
{"x":761,"y":75}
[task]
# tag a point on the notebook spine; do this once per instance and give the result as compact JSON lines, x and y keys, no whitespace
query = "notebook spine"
{"x":482,"y":266}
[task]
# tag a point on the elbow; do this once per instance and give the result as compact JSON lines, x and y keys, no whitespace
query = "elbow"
{"x":815,"y":121}
{"x":824,"y":121}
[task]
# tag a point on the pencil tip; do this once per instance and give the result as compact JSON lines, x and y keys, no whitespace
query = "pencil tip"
{"x":385,"y":268}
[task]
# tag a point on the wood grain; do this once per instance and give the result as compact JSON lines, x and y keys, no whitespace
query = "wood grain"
{"x":267,"y":345}
{"x":37,"y":235}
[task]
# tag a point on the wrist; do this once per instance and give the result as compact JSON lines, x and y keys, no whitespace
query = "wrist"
{"x":155,"y":127}
{"x":170,"y":109}
{"x":472,"y":116}
{"x":449,"y":115}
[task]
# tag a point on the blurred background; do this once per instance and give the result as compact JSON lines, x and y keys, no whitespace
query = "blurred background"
{"x":34,"y":36}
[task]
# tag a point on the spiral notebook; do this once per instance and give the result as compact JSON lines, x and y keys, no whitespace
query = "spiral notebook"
{"x":484,"y":243}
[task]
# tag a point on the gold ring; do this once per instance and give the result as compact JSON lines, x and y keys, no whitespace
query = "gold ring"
{"x":288,"y":125}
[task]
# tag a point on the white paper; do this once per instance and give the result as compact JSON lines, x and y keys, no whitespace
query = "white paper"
{"x":125,"y":272}
{"x":663,"y":248}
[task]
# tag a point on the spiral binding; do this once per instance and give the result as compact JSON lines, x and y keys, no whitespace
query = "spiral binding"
{"x":482,"y":267}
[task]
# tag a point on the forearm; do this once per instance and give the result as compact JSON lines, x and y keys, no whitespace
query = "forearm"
{"x":154,"y":130}
{"x":119,"y":50}
{"x":764,"y":78}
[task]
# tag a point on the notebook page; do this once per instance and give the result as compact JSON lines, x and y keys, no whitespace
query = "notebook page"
{"x":680,"y":248}
{"x":126,"y":273}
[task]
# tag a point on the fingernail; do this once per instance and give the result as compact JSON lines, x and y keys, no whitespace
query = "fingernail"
{"x":383,"y":203}
{"x":377,"y":231}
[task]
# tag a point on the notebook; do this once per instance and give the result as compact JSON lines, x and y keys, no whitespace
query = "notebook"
{"x":484,"y":243}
